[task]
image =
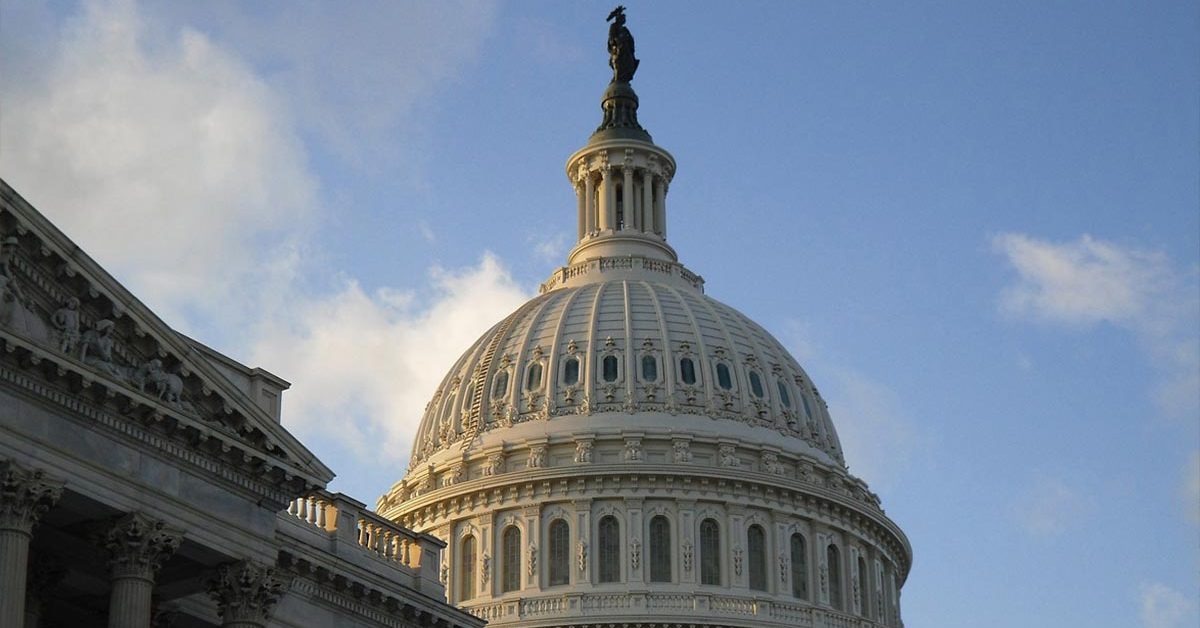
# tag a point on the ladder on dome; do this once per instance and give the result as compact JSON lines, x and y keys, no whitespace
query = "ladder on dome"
{"x":481,"y":371}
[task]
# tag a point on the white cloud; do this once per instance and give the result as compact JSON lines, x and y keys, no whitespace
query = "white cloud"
{"x":1164,"y":607}
{"x":1049,"y":507}
{"x":163,"y":156}
{"x":357,"y":73}
{"x":551,"y":248}
{"x":1091,"y":281}
{"x":366,"y":364}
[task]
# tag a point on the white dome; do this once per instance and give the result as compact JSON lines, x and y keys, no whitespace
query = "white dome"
{"x":676,"y":359}
{"x":624,"y":451}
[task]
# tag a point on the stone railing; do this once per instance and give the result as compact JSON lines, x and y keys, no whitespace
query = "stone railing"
{"x":673,"y":605}
{"x":349,"y":523}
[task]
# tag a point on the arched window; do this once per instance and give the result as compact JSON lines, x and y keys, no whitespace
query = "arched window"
{"x":500,"y":387}
{"x":610,"y":368}
{"x":649,"y":368}
{"x":710,"y":552}
{"x":466,"y":568}
{"x":510,"y":578}
{"x":560,"y":552}
{"x":608,"y":554}
{"x":784,"y":397}
{"x":807,"y":409}
{"x":833,"y":559}
{"x":799,"y":567}
{"x":533,"y":380}
{"x":863,"y":580}
{"x":724,"y":380}
{"x":571,"y":371}
{"x":756,"y":387}
{"x":687,"y":371}
{"x":756,"y":547}
{"x":660,"y":549}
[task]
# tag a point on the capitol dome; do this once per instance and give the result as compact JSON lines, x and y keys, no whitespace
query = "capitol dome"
{"x":625,"y":450}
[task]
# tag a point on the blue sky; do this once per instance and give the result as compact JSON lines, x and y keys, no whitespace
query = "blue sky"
{"x":977,"y":225}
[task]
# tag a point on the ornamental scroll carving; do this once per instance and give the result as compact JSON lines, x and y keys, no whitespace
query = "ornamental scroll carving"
{"x":246,"y":592}
{"x":138,"y":545}
{"x":687,"y":548}
{"x":635,"y":553}
{"x":25,"y":495}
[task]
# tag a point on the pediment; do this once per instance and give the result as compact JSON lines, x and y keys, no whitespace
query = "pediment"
{"x":66,"y":321}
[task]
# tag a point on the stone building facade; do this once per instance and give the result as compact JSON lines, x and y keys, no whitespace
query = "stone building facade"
{"x":145,"y":479}
{"x":624,"y":450}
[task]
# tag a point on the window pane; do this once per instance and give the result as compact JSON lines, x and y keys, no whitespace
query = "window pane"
{"x":756,"y":384}
{"x":756,"y":546}
{"x":807,"y":410}
{"x":833,"y":559}
{"x":649,"y":368}
{"x":660,"y":549}
{"x":799,"y":567}
{"x":784,"y":397}
{"x":560,"y":553}
{"x":466,"y":569}
{"x":687,"y":371}
{"x":723,"y":378}
{"x":710,"y":552}
{"x":511,"y":580}
{"x":608,"y":557}
{"x":610,"y":368}
{"x":534,"y":381}
{"x":571,"y":371}
{"x":500,"y":388}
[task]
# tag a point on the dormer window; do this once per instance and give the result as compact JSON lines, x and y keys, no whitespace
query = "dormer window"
{"x":756,"y":386}
{"x":500,"y":387}
{"x":571,"y":371}
{"x":533,"y":379}
{"x":649,"y":368}
{"x":610,"y":365}
{"x":724,"y":379}
{"x":784,"y":398}
{"x":687,"y":371}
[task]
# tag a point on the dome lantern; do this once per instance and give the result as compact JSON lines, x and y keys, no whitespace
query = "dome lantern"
{"x":621,"y":179}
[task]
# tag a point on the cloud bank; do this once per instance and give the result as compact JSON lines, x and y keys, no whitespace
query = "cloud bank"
{"x":1091,"y":281}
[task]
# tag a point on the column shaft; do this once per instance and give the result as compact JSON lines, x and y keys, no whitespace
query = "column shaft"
{"x":14,"y":561}
{"x":660,"y":206}
{"x":648,"y":202}
{"x":608,"y":208}
{"x":582,"y":204}
{"x":589,"y":187}
{"x":631,"y":217}
{"x":129,"y":604}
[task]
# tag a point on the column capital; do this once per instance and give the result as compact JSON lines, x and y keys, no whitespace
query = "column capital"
{"x":246,"y":592}
{"x":138,"y":545}
{"x":25,"y":495}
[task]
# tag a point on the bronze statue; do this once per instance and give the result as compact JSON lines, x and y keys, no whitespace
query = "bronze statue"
{"x":620,"y":47}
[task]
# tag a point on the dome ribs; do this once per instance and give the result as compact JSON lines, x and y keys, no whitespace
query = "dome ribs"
{"x":480,"y":378}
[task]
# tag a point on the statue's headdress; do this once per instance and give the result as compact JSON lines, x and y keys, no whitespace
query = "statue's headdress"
{"x":617,"y":12}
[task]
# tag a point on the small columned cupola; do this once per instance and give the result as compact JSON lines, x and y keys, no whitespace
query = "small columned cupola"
{"x":621,"y":177}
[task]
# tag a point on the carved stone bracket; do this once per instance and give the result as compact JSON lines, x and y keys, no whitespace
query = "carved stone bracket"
{"x":25,"y":495}
{"x":246,"y":593}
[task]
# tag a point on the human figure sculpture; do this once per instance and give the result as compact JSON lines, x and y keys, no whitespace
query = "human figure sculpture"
{"x":66,"y":321}
{"x":95,"y":347}
{"x":620,"y":47}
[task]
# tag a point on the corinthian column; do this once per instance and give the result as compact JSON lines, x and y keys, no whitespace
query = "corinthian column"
{"x":137,"y":547}
{"x":25,"y":495}
{"x":246,"y":593}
